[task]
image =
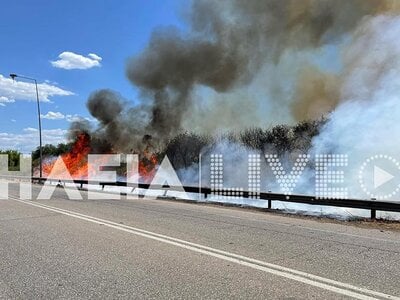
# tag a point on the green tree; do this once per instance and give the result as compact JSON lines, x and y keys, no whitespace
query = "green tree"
{"x":13,"y":159}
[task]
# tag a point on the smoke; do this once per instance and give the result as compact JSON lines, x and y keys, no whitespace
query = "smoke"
{"x":242,"y":64}
{"x":120,"y":128}
{"x":229,"y":42}
{"x":256,"y":63}
{"x":105,"y":106}
{"x":366,"y":123}
{"x":316,"y":93}
{"x":260,"y":52}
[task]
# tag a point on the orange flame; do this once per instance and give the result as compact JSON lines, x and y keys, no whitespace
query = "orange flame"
{"x":147,"y":166}
{"x":76,"y":162}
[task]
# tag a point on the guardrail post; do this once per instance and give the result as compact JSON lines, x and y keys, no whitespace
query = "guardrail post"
{"x":373,"y":214}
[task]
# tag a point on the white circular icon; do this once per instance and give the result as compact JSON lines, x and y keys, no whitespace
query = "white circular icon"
{"x":377,"y":176}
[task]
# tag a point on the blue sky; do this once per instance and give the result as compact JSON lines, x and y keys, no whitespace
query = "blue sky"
{"x":35,"y":33}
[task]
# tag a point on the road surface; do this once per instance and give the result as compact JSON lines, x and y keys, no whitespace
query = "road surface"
{"x":152,"y":249}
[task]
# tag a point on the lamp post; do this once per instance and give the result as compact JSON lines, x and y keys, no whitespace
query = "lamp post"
{"x":13,"y":76}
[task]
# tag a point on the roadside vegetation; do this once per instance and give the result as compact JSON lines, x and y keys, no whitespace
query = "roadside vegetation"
{"x":183,"y":150}
{"x":13,"y":159}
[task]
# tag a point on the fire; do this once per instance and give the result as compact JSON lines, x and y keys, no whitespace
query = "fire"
{"x":76,"y":162}
{"x":147,"y":166}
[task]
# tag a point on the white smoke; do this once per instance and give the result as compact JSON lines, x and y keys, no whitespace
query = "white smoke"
{"x":364,"y":124}
{"x":367,"y":121}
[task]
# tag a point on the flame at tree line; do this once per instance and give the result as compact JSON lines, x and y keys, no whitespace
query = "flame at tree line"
{"x":211,"y":54}
{"x":182,"y":150}
{"x":76,"y":161}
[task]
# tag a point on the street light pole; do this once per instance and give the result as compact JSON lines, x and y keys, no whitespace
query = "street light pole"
{"x":40,"y":132}
{"x":13,"y":76}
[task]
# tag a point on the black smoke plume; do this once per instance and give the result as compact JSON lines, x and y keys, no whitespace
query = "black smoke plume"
{"x":227,"y":44}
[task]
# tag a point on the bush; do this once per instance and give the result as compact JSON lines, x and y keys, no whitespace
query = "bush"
{"x":184,"y":149}
{"x":13,"y":159}
{"x":51,"y":150}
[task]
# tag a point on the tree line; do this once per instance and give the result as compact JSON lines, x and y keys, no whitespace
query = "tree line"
{"x":183,"y":150}
{"x":48,"y":150}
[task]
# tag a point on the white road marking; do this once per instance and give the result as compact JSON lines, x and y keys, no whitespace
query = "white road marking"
{"x":296,"y":225}
{"x":303,"y":277}
{"x":190,"y":202}
{"x":285,"y":224}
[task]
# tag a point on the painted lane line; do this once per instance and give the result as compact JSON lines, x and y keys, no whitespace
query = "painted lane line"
{"x":287,"y":224}
{"x":190,"y":202}
{"x":303,"y":277}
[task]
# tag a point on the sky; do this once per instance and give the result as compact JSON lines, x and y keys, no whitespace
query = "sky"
{"x":71,"y":48}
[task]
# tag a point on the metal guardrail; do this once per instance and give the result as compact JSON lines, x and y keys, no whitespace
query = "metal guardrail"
{"x":372,"y":205}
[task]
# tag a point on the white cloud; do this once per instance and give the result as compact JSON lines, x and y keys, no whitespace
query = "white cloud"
{"x":51,"y":115}
{"x":4,"y":100}
{"x":74,"y":118}
{"x":95,"y":56}
{"x":28,"y":140}
{"x":11,"y":91}
{"x":77,"y":118}
{"x":70,"y":60}
{"x":30,"y":129}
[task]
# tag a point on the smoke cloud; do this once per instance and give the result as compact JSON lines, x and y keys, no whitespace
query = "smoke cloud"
{"x":316,"y":93}
{"x":267,"y":45}
{"x":366,"y":122}
{"x":255,"y":63}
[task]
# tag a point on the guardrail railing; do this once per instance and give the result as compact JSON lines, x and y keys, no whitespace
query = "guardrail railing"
{"x":372,"y":205}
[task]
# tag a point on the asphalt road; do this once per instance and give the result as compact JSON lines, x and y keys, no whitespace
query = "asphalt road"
{"x":154,"y":249}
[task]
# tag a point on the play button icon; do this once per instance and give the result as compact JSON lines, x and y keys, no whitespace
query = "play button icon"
{"x":381,"y":177}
